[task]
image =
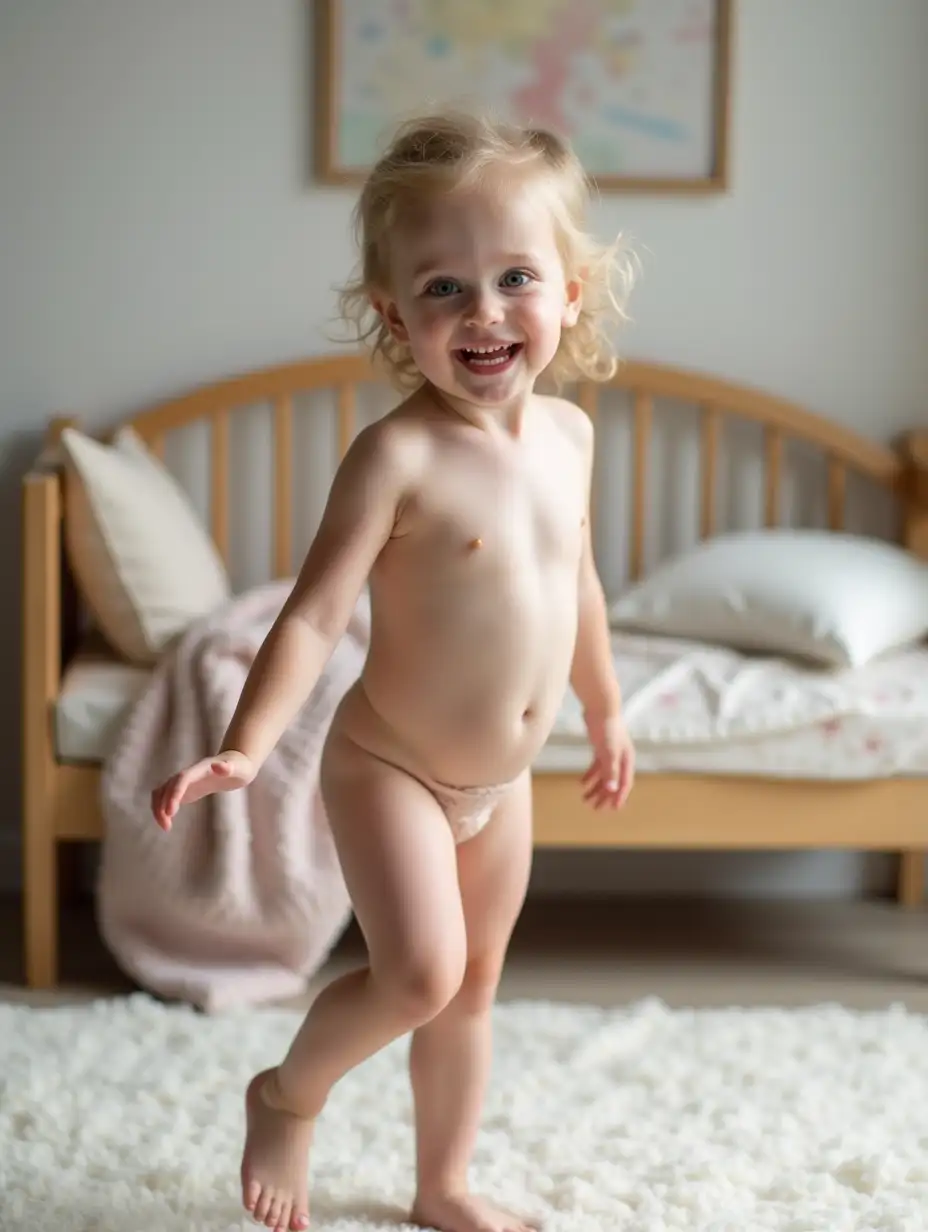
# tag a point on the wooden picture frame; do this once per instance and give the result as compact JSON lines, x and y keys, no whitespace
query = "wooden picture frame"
{"x":414,"y":65}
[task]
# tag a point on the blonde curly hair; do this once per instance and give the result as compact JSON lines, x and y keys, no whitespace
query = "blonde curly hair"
{"x":452,"y":149}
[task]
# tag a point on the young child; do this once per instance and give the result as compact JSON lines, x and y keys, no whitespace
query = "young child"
{"x":465,"y":509}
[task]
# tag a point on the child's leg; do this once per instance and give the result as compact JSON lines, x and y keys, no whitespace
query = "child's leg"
{"x":450,"y":1055}
{"x":398,"y":859}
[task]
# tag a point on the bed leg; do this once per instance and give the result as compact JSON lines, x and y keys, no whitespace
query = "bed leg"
{"x":41,"y":659}
{"x":910,"y":887}
{"x":40,"y":906}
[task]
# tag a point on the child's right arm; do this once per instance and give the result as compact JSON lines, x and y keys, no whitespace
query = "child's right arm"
{"x":365,"y":499}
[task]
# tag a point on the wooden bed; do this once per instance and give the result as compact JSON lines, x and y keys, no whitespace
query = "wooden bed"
{"x":665,"y":811}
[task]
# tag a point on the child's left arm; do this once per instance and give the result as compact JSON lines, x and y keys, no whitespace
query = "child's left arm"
{"x":594,"y":681}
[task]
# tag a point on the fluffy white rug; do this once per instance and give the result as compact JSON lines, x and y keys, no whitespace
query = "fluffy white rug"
{"x":126,"y":1116}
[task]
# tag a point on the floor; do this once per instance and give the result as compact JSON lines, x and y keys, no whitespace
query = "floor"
{"x":686,"y":953}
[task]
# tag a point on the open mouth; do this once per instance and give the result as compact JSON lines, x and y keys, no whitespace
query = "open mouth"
{"x":488,"y":359}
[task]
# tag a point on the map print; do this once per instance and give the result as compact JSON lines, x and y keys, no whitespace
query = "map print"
{"x":629,"y":82}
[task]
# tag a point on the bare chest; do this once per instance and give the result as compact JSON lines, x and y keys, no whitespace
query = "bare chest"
{"x":502,"y":512}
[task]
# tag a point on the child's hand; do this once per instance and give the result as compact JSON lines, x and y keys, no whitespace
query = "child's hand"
{"x":223,"y":773}
{"x":612,"y":773}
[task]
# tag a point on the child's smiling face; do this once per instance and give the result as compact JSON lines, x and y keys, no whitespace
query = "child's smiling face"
{"x":479,"y":290}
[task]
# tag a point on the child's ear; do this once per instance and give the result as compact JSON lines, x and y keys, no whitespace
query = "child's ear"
{"x":388,"y":312}
{"x":573,"y":302}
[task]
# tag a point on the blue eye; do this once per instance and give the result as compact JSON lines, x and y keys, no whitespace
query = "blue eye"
{"x":515,"y":278}
{"x":441,"y":288}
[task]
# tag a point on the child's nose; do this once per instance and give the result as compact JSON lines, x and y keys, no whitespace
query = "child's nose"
{"x":485,"y":308}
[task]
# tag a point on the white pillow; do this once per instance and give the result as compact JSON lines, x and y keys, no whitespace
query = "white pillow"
{"x":141,"y":556}
{"x":836,"y":599}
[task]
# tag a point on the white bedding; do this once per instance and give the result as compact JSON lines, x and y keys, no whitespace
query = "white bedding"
{"x":702,"y":709}
{"x":690,"y":708}
{"x":97,"y":693}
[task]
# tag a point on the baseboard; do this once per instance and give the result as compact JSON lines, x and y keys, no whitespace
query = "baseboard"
{"x":781,"y":875}
{"x":762,"y":875}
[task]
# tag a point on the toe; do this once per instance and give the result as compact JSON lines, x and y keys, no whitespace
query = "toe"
{"x":272,"y":1218}
{"x":262,"y":1206}
{"x":251,"y":1195}
{"x":299,"y":1220}
{"x":283,"y":1217}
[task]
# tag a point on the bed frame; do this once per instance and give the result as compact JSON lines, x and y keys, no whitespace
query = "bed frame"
{"x":61,"y":805}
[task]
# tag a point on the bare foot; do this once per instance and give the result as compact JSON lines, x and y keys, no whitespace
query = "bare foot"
{"x":459,"y":1212}
{"x":275,"y":1163}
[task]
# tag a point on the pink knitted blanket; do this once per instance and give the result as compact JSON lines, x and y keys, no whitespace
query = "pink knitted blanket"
{"x":243,"y":899}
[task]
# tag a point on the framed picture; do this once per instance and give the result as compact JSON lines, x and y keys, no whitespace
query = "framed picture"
{"x":640,"y":87}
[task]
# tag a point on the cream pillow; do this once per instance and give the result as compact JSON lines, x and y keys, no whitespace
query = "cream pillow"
{"x":141,"y":556}
{"x":835,"y":599}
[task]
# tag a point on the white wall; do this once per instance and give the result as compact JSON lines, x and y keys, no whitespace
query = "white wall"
{"x":159,"y":227}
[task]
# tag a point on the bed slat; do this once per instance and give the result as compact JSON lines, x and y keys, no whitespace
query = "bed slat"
{"x":773,"y":448}
{"x":219,"y":482}
{"x":643,"y":408}
{"x":347,"y":417}
{"x":711,"y":429}
{"x":283,"y":485}
{"x":837,"y":487}
{"x":588,"y":400}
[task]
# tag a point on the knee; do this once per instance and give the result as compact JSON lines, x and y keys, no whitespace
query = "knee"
{"x":420,"y":987}
{"x":478,"y":987}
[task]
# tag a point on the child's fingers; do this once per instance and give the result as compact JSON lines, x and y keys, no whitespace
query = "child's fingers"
{"x":159,"y":808}
{"x":627,"y":776}
{"x":195,"y":781}
{"x":157,"y":801}
{"x":610,"y":782}
{"x":168,"y":798}
{"x":592,"y":790}
{"x":181,"y":784}
{"x":595,"y":794}
{"x":613,"y":772}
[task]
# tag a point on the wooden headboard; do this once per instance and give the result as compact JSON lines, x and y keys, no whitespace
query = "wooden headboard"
{"x":902,"y":471}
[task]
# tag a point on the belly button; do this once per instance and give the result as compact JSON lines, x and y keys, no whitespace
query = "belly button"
{"x":527,"y":712}
{"x":475,"y":543}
